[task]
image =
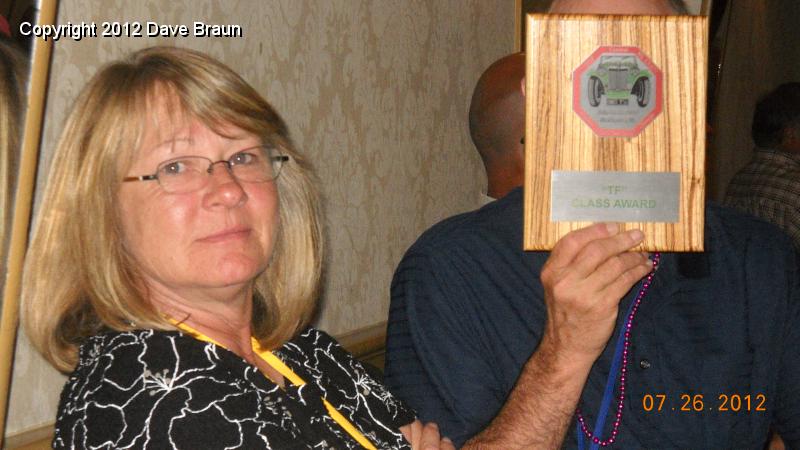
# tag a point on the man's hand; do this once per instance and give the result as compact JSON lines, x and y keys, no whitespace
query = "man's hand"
{"x":425,"y":437}
{"x":586,"y":275}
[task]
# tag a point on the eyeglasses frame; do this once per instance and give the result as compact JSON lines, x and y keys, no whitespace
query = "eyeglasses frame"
{"x":282,"y":158}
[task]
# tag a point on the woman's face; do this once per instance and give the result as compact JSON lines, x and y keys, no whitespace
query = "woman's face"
{"x":207,"y":242}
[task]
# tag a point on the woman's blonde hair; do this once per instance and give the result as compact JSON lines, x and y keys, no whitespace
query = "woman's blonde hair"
{"x":13,"y":75}
{"x":79,"y":280}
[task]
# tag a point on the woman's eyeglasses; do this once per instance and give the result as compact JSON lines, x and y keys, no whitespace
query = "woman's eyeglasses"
{"x":191,"y":173}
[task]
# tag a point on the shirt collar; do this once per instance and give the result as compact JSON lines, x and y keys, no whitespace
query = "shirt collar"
{"x":778,"y":156}
{"x":484,"y":199}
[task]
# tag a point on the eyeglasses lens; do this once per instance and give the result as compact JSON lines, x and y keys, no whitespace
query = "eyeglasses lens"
{"x":191,"y":173}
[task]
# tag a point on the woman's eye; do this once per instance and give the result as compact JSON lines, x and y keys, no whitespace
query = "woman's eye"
{"x":174,"y":168}
{"x":243,"y":158}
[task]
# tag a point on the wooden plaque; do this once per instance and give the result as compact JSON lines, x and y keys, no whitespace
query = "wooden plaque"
{"x":615,"y":127}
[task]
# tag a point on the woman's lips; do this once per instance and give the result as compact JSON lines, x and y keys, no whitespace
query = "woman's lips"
{"x":227,"y":235}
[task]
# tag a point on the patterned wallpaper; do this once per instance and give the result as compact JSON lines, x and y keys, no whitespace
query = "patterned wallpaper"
{"x":375,"y":91}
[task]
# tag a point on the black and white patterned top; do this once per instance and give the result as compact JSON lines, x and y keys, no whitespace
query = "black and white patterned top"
{"x":165,"y":389}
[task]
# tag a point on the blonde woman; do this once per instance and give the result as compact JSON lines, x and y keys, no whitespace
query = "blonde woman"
{"x":174,"y":270}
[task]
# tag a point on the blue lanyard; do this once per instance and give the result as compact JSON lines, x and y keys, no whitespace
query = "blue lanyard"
{"x":611,"y":383}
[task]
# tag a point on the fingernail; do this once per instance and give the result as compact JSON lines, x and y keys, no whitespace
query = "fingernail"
{"x":636,"y":235}
{"x":447,"y":439}
{"x":612,"y":228}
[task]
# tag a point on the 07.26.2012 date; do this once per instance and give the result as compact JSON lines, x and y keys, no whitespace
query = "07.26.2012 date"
{"x":698,"y":403}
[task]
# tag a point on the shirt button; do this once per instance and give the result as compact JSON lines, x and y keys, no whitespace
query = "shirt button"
{"x":644,"y":364}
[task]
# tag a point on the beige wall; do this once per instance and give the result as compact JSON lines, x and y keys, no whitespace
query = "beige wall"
{"x":375,"y":91}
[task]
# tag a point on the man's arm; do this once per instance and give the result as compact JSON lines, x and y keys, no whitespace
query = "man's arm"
{"x":436,"y":358}
{"x":586,"y":275}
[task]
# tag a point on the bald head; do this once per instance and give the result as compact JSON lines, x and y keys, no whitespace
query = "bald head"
{"x":497,"y":114}
{"x":497,"y":123}
{"x":628,"y":7}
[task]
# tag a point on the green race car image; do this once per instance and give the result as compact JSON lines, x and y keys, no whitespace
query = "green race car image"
{"x":618,"y":77}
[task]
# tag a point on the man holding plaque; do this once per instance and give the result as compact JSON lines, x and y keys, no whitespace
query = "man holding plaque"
{"x":592,"y":345}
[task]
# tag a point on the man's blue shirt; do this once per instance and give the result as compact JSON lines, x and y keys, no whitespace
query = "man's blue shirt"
{"x":467,"y":312}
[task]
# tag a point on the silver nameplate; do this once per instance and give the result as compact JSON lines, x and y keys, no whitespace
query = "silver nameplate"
{"x":614,"y":196}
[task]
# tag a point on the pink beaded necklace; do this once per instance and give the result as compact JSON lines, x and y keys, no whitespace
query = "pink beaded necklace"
{"x":624,"y":369}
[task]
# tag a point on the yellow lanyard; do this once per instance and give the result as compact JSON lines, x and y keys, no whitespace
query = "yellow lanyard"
{"x":284,"y":370}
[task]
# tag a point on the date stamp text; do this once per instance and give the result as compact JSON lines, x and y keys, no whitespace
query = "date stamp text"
{"x":655,"y":403}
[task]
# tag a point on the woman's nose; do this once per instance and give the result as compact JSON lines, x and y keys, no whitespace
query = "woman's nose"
{"x":223,"y":187}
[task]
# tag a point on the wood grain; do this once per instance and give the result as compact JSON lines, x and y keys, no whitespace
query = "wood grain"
{"x":558,"y":139}
{"x":23,"y":203}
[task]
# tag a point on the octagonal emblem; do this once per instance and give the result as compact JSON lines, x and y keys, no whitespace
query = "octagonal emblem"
{"x":617,"y":91}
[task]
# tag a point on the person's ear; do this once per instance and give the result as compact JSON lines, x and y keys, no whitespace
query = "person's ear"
{"x":791,"y":139}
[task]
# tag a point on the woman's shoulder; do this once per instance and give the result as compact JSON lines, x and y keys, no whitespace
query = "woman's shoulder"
{"x":314,"y":338}
{"x":132,"y":387}
{"x":115,"y":341}
{"x":120,"y":352}
{"x":347,"y":384}
{"x":116,"y":361}
{"x":316,"y":349}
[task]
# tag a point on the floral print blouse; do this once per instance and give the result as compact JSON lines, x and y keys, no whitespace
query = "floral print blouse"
{"x":166,"y":389}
